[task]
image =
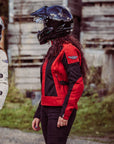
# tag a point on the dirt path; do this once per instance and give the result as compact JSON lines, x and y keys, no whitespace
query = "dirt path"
{"x":13,"y":136}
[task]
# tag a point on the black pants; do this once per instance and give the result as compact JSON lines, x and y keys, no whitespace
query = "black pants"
{"x":53,"y":134}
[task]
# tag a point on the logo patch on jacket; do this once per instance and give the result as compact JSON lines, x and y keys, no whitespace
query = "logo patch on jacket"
{"x":72,"y":57}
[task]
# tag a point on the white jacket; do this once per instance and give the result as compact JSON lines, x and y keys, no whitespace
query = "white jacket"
{"x":3,"y":77}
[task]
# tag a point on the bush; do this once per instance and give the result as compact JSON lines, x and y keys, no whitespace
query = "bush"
{"x":94,"y":117}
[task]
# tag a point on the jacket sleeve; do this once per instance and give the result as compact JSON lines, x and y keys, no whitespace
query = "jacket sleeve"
{"x":71,"y":63}
{"x":3,"y":77}
{"x":38,"y":111}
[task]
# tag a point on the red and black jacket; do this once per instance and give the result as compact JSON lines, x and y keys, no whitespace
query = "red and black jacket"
{"x":62,"y":82}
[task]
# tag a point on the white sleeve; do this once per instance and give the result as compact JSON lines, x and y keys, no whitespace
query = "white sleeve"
{"x":3,"y":77}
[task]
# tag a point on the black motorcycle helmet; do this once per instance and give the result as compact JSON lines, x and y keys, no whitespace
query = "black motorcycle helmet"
{"x":57,"y":22}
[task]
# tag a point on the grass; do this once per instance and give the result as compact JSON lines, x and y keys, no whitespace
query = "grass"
{"x":17,"y":111}
{"x":95,"y":116}
{"x":17,"y":115}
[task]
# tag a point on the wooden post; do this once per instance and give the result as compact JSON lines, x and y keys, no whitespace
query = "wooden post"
{"x":76,"y":9}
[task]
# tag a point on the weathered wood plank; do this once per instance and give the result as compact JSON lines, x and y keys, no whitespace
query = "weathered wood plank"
{"x":28,"y":47}
{"x":100,"y":24}
{"x":26,"y":39}
{"x":23,"y":27}
{"x":32,"y":50}
{"x":94,"y":57}
{"x":103,"y":35}
{"x":89,"y":1}
{"x":101,"y":43}
{"x":23,"y":38}
{"x":16,"y":40}
{"x":97,"y":11}
{"x":100,"y":28}
{"x":86,"y":37}
{"x":27,"y":78}
{"x":26,"y":86}
{"x":98,"y":19}
{"x":22,"y":5}
{"x":27,"y":61}
{"x":16,"y":53}
{"x":29,"y":58}
{"x":25,"y":64}
{"x":101,"y":32}
{"x":37,"y":1}
{"x":27,"y":72}
{"x":25,"y":8}
{"x":23,"y":80}
{"x":96,"y":36}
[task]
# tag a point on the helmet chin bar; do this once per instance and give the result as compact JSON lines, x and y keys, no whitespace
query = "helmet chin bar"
{"x":44,"y":36}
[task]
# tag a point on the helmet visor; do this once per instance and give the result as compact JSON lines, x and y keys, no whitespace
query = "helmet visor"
{"x":39,"y":23}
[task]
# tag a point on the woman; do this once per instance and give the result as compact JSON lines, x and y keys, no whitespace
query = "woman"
{"x":3,"y":69}
{"x":62,"y":75}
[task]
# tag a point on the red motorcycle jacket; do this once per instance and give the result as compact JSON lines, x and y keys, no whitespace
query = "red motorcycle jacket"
{"x":61,"y":80}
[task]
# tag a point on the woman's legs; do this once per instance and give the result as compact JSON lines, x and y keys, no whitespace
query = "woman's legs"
{"x":53,"y":134}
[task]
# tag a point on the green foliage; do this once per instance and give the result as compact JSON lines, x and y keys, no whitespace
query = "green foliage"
{"x":14,"y":95}
{"x":94,"y":83}
{"x":94,"y":75}
{"x":94,"y":116}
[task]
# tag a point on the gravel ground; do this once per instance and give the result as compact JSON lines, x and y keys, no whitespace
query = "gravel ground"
{"x":13,"y":136}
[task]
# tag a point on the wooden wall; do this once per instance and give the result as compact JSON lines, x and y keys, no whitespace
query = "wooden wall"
{"x":22,"y":8}
{"x":97,"y":35}
{"x":25,"y":53}
{"x":98,"y":23}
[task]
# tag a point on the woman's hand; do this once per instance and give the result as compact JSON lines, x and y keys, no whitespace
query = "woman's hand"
{"x":35,"y":124}
{"x":61,"y":122}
